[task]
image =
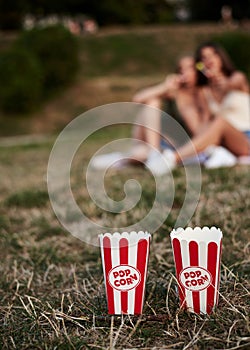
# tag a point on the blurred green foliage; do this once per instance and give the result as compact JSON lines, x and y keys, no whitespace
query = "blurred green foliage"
{"x":237,"y":45}
{"x":211,"y":9}
{"x":40,"y":62}
{"x":109,"y":12}
{"x":21,"y":81}
{"x":57,"y":51}
{"x":130,"y":11}
{"x":106,"y":12}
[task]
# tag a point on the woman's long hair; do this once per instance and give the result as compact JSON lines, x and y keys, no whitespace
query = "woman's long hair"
{"x":227,"y":64}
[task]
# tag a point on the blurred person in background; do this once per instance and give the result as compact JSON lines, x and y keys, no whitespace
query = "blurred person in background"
{"x":178,"y":95}
{"x":225,"y":91}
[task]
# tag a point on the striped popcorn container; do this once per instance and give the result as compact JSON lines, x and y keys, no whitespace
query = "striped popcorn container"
{"x":124,"y":261}
{"x":197,"y":255}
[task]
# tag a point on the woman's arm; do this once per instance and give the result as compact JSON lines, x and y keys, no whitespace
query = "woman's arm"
{"x":238,"y":81}
{"x":165,"y":89}
{"x":146,"y":94}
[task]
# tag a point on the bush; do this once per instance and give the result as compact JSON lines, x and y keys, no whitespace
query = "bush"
{"x":21,"y":81}
{"x":40,"y":61}
{"x":57,"y":50}
{"x":237,"y":45}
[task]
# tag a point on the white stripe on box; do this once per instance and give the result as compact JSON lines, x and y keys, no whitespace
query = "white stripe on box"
{"x":186,"y":263}
{"x":217,"y":277}
{"x":115,"y":255}
{"x":103,"y":261}
{"x":132,"y":261}
{"x":203,"y":263}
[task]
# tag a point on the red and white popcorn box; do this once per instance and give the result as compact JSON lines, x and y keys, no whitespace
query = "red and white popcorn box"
{"x":197,"y":255}
{"x":124,"y":261}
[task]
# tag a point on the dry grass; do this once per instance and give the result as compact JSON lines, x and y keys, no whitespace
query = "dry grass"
{"x":51,"y":285}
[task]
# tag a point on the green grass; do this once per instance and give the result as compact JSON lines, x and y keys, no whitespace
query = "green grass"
{"x":51,"y":284}
{"x":121,"y":54}
{"x":28,"y":199}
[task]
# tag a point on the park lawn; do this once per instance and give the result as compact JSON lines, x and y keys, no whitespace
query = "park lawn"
{"x":51,"y":284}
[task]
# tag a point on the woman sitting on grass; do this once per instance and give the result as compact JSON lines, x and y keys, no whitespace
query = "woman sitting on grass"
{"x":180,"y":90}
{"x":226,"y":92}
{"x":178,"y":95}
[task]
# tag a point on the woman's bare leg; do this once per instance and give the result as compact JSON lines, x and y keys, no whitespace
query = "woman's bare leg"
{"x":147,"y":130}
{"x":152,"y":122}
{"x":218,"y":132}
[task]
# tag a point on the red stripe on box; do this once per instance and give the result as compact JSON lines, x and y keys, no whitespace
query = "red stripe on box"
{"x":211,"y":266}
{"x":123,"y":245}
{"x":194,"y":261}
{"x":108,"y":267}
{"x":141,"y":265}
{"x":178,"y":268}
